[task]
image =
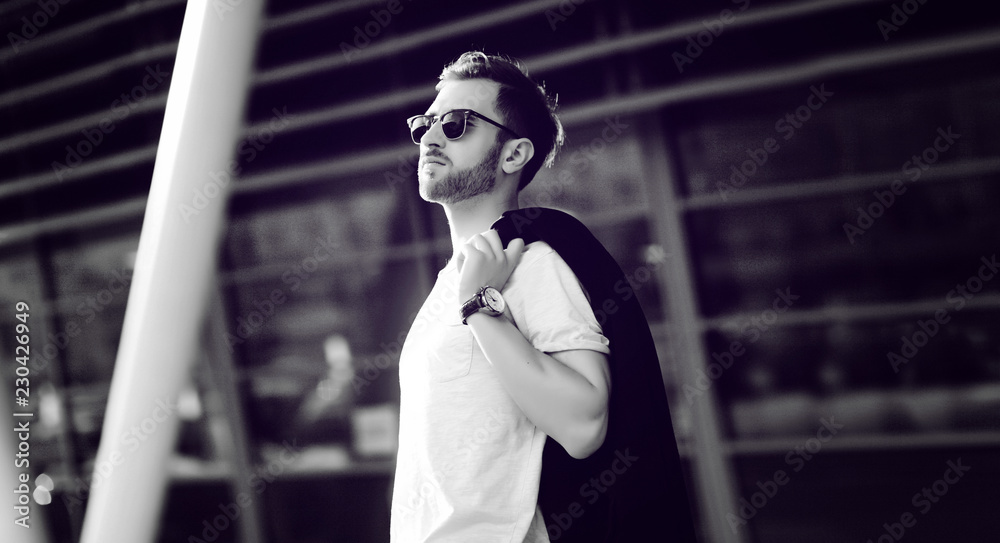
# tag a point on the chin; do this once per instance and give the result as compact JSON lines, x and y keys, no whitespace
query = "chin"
{"x":426,"y":188}
{"x":436,"y":188}
{"x":453,"y":187}
{"x":427,"y":197}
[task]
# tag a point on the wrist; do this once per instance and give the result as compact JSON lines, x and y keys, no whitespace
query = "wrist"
{"x":475,"y":317}
{"x":486,"y":300}
{"x":465,"y":294}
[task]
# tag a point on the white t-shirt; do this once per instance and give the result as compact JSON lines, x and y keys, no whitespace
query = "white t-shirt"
{"x":469,"y":460}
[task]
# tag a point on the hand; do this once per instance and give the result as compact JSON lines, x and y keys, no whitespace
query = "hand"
{"x":483,"y":261}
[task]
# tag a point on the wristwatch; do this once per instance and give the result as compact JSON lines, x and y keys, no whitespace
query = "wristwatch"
{"x":488,"y":300}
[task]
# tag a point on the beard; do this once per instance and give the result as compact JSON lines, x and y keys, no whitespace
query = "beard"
{"x":461,"y":185}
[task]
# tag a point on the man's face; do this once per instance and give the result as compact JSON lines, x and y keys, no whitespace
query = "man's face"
{"x":451,"y":171}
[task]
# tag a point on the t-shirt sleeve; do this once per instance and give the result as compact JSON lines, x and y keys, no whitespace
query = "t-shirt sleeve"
{"x":550,"y":307}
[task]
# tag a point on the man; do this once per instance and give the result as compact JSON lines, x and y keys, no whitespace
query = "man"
{"x":506,"y":350}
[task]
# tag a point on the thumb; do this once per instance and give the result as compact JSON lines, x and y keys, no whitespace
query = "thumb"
{"x":460,"y":259}
{"x":514,"y":250}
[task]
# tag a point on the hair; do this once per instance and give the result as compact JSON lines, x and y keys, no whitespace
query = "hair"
{"x":524,"y":105}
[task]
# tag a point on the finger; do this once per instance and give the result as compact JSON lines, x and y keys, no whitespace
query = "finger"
{"x":493,"y":238}
{"x":481,"y":244}
{"x":514,"y":250}
{"x":460,"y":259}
{"x":469,"y":249}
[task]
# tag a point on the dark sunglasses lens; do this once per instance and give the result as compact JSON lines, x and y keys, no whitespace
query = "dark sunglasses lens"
{"x":417,"y":132}
{"x":453,"y":125}
{"x":418,"y":128}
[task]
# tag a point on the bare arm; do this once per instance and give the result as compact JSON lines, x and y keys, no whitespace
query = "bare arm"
{"x":565,"y":394}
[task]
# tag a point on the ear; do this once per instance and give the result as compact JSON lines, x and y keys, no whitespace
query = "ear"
{"x":516,"y":155}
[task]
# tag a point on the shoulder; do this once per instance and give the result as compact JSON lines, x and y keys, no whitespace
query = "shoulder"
{"x":537,"y":252}
{"x":540,"y":259}
{"x":541,"y":273}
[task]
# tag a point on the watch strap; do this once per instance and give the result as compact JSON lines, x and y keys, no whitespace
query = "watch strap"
{"x":472,"y":305}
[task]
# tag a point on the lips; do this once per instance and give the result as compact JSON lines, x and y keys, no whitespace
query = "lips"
{"x":431,"y":159}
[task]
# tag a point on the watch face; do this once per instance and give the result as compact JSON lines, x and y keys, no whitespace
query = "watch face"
{"x":494,"y":300}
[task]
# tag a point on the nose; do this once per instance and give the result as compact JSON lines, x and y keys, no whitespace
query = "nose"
{"x":434,"y":135}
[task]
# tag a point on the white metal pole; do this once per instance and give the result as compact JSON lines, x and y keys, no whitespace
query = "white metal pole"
{"x":174,"y":271}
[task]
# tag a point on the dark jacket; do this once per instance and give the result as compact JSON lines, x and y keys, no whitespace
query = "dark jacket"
{"x":632,"y":488}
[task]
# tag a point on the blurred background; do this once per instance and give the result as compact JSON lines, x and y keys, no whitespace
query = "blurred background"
{"x":803,"y":193}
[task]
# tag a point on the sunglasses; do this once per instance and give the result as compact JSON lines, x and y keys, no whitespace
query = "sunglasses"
{"x":453,"y":124}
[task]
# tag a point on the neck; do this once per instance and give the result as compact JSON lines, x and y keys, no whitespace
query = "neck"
{"x":475,"y":216}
